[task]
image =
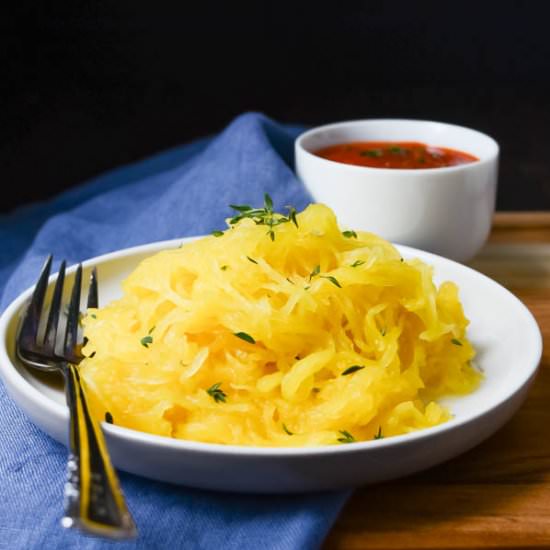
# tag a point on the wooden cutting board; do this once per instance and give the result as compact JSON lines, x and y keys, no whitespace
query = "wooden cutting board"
{"x":498,"y":494}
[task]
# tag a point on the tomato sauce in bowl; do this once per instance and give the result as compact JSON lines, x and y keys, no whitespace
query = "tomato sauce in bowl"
{"x":389,"y":154}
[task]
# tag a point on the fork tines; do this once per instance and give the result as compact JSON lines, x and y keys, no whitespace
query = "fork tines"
{"x":29,"y":344}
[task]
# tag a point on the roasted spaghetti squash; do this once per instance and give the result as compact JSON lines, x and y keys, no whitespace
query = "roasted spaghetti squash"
{"x":279,"y":331}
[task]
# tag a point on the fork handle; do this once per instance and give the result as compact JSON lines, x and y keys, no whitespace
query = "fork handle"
{"x":94,"y":501}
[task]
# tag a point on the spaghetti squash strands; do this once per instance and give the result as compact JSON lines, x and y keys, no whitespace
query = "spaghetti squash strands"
{"x":287,"y":335}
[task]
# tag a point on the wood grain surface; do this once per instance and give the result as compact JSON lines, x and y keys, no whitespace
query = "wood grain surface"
{"x":498,"y":494}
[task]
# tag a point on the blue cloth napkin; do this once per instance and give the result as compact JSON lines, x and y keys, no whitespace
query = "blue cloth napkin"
{"x":185,"y":191}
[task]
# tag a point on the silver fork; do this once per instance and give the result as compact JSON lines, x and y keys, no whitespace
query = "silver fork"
{"x":93,"y":500}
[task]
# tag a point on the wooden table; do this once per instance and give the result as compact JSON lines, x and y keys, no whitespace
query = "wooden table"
{"x":498,"y":494}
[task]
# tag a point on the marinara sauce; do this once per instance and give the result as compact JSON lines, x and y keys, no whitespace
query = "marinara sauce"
{"x":400,"y":154}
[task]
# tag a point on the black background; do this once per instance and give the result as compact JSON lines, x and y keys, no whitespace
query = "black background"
{"x":88,"y":87}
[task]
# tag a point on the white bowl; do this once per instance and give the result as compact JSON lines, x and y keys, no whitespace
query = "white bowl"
{"x":502,"y":329}
{"x":447,"y":211}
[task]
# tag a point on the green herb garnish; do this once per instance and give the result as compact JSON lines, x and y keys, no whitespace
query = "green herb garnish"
{"x":351,"y":370}
{"x":241,"y":207}
{"x":349,"y":234}
{"x":379,"y":435}
{"x":287,"y":430}
{"x":371,"y":153}
{"x":216,"y":393}
{"x":315,"y":272}
{"x":224,"y":267}
{"x":109,"y":418}
{"x":263,"y":216}
{"x":292,"y":215}
{"x":217,"y":233}
{"x":251,"y":260}
{"x":456,"y":342}
{"x":244,"y":336}
{"x":332,"y":279}
{"x":357,"y":263}
{"x":146,"y":340}
{"x":346,"y":437}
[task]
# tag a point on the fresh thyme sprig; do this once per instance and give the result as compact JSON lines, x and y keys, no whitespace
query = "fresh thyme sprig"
{"x":351,"y":370}
{"x":146,"y":340}
{"x":346,"y":437}
{"x":317,"y":270}
{"x":332,"y":279}
{"x":288,"y":432}
{"x":216,"y":393}
{"x":244,"y":336}
{"x":264,"y":216}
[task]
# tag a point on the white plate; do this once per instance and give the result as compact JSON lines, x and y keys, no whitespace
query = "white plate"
{"x":502,"y":329}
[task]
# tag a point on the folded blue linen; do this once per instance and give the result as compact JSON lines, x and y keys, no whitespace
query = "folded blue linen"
{"x":185,"y":191}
